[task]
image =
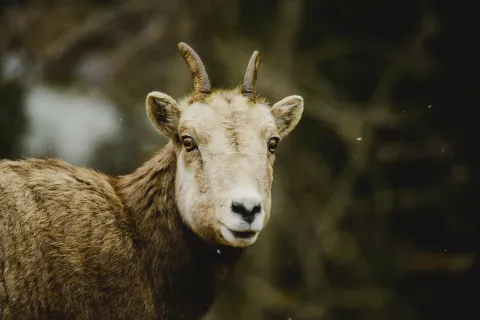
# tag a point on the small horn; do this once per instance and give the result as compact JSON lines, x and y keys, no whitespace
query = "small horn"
{"x":250,"y":79}
{"x":201,"y":83}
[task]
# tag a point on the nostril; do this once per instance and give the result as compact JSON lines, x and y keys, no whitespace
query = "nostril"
{"x":247,"y":214}
{"x":239,"y":208}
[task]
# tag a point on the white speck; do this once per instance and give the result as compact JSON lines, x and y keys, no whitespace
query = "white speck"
{"x":443,"y":150}
{"x":50,"y":147}
{"x":404,"y":111}
{"x":121,"y":119}
{"x":429,"y":106}
{"x":359,"y":138}
{"x":218,"y":251}
{"x":445,"y":250}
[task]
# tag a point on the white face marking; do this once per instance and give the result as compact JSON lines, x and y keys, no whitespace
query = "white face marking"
{"x":185,"y":177}
{"x":223,"y":187}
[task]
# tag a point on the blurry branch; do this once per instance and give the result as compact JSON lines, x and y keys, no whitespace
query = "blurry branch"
{"x":338,"y":246}
{"x":288,"y":23}
{"x":149,"y":36}
{"x":341,"y":196}
{"x":95,"y":24}
{"x":410,"y":58}
{"x":350,"y":122}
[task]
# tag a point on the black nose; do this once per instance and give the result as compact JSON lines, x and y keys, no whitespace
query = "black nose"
{"x":247,"y":215}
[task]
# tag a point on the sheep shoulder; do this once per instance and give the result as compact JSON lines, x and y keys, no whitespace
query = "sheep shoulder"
{"x":61,"y":224}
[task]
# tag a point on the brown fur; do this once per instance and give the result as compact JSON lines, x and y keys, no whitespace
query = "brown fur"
{"x":77,"y":244}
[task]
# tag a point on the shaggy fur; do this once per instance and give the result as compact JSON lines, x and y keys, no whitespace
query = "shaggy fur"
{"x":76,"y":244}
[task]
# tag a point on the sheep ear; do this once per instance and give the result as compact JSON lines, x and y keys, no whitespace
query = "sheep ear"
{"x":287,"y":113}
{"x":164,"y":113}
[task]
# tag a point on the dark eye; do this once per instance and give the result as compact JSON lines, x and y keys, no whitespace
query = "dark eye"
{"x":189,"y":143}
{"x":272,"y":144}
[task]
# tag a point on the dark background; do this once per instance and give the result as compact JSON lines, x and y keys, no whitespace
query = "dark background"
{"x":374,"y":196}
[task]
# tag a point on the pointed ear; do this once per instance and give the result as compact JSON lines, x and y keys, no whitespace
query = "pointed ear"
{"x":164,"y":113}
{"x":287,"y":113}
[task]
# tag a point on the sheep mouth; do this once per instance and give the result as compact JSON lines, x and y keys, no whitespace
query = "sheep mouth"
{"x":238,"y":238}
{"x":243,"y":234}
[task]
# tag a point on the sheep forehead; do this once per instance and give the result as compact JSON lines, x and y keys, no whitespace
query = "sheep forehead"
{"x":225,"y":115}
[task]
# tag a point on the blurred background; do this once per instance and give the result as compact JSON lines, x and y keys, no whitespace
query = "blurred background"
{"x":373,"y":215}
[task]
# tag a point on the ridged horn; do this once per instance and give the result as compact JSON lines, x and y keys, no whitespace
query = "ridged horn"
{"x":250,"y":79}
{"x":201,"y":82}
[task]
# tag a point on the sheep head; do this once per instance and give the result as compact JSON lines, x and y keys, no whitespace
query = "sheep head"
{"x":225,"y":141}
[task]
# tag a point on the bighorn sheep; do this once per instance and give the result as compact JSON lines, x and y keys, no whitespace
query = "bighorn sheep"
{"x":157,"y":243}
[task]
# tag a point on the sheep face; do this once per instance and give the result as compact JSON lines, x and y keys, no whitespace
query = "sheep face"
{"x":225,"y":147}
